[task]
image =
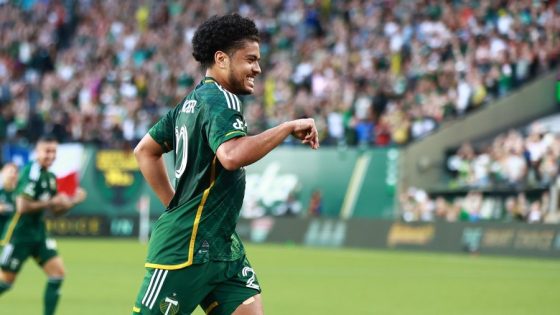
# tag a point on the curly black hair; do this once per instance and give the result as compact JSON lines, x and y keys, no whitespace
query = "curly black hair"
{"x":224,"y":33}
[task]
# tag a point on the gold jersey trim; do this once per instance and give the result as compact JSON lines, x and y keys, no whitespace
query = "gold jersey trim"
{"x":211,"y":307}
{"x":195,"y":227}
{"x":10,"y":229}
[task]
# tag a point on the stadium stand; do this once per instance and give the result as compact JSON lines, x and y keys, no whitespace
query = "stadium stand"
{"x":370,"y":72}
{"x":508,"y":177}
{"x":513,"y":159}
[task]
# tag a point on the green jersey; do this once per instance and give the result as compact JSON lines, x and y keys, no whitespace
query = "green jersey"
{"x":35,"y":183}
{"x":199,"y":223}
{"x":7,"y":200}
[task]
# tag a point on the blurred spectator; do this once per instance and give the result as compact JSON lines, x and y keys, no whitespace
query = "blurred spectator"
{"x":315,"y":208}
{"x":474,"y":206}
{"x":535,"y":214}
{"x":512,"y":160}
{"x":291,"y":207}
{"x":517,"y":162}
{"x":518,"y":208}
{"x":417,"y":206}
{"x":471,"y":206}
{"x":370,"y":73}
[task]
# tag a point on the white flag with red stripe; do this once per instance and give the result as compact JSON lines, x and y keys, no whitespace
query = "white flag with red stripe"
{"x":68,"y":166}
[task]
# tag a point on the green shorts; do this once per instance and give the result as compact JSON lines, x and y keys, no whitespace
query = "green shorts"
{"x":15,"y":254}
{"x":219,"y":287}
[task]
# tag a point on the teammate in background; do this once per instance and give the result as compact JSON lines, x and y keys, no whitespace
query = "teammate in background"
{"x":195,"y":257}
{"x":26,"y":234}
{"x":7,"y":198}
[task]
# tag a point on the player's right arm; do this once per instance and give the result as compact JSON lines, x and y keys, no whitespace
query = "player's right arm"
{"x":24,"y":204}
{"x":149,"y":154}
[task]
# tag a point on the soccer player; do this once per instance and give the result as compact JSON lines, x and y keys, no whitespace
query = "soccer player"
{"x":26,"y":234}
{"x":195,"y":257}
{"x":7,"y":201}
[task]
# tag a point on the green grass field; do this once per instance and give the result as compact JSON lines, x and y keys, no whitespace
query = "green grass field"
{"x":104,"y":276}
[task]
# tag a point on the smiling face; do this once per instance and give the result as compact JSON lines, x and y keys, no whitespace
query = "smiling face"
{"x":237,"y":71}
{"x":46,"y":153}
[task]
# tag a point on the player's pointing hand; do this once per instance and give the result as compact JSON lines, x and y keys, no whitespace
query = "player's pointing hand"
{"x":306,"y":131}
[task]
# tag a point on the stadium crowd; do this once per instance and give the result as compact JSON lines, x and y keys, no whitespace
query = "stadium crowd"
{"x":417,"y":205}
{"x":369,"y":72}
{"x":512,"y":160}
{"x":507,"y":178}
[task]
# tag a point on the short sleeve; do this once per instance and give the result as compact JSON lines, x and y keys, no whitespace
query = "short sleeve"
{"x":29,"y":189}
{"x":224,"y":124}
{"x":54,"y":184}
{"x":162,"y":131}
{"x":28,"y":180}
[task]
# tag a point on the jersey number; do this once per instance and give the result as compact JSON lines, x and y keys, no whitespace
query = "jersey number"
{"x":182,"y":150}
{"x":251,"y":281}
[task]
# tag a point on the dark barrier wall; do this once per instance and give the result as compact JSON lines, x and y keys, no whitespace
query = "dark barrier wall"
{"x":514,"y":239}
{"x":94,"y":226}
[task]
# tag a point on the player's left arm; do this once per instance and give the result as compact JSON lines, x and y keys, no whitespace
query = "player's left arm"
{"x":241,"y":151}
{"x":78,"y":197}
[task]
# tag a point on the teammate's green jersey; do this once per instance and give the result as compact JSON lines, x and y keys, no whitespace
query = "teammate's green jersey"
{"x":199,"y":223}
{"x":7,"y":199}
{"x":35,"y":183}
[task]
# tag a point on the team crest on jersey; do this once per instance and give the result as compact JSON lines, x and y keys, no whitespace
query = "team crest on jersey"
{"x":169,"y":305}
{"x":188,"y":106}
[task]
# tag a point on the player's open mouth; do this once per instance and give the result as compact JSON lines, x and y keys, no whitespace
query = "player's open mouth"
{"x":251,"y":81}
